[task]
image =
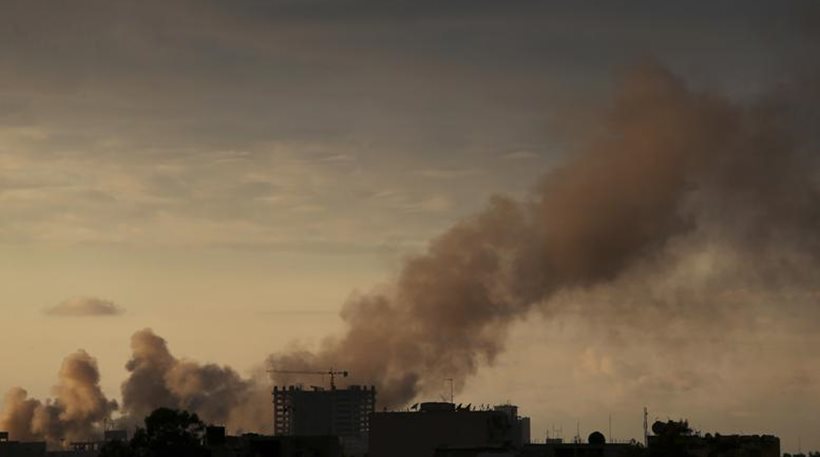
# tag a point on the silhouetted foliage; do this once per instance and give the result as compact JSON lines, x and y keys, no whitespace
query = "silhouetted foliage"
{"x":167,"y":433}
{"x":117,"y":448}
{"x":670,"y":439}
{"x":634,"y":449}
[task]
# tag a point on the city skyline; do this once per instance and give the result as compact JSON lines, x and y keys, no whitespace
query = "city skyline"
{"x":256,"y":180}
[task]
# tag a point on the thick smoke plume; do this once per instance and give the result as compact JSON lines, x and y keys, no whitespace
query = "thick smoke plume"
{"x":216,"y":393}
{"x":670,"y":174}
{"x":76,"y":413}
{"x":670,"y":166}
{"x":157,"y":379}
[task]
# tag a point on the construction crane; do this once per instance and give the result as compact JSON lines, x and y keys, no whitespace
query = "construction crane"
{"x":332,"y":373}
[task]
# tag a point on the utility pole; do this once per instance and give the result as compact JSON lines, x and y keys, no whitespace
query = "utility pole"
{"x":645,"y":427}
{"x":609,"y":435}
{"x":451,"y":389}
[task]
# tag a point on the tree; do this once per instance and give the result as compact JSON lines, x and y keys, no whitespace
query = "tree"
{"x":167,"y":433}
{"x":116,"y":448}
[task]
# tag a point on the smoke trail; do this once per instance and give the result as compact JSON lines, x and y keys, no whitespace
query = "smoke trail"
{"x":671,"y":163}
{"x":76,"y":413}
{"x":217,"y":394}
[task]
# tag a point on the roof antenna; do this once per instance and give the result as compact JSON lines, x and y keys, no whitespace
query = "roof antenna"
{"x":645,"y":427}
{"x":451,"y":388}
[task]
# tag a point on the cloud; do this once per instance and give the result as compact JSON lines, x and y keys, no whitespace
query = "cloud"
{"x":77,"y":411}
{"x":218,"y":394}
{"x":85,"y":306}
{"x":520,"y":155}
{"x":431,"y":204}
{"x":444,"y":173}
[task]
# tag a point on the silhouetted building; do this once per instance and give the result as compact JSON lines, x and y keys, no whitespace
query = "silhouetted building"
{"x":115,"y":435}
{"x":521,"y":425}
{"x":482,"y":451}
{"x":72,"y":449}
{"x":10,"y":448}
{"x":78,"y":449}
{"x":442,"y":426}
{"x":596,"y":446}
{"x":677,"y":439}
{"x":252,"y":445}
{"x":319,"y":412}
{"x":88,"y":448}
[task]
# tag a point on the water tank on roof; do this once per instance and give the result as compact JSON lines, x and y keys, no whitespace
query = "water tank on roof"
{"x":658,"y":428}
{"x":596,"y":438}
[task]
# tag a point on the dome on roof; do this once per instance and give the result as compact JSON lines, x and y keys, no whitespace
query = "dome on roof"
{"x":596,"y":438}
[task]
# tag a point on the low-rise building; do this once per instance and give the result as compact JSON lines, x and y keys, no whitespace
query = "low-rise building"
{"x":676,"y":438}
{"x":438,"y":426}
{"x":253,"y":445}
{"x":9,"y":448}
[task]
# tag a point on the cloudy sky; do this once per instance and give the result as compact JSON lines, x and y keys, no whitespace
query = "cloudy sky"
{"x":228,"y":173}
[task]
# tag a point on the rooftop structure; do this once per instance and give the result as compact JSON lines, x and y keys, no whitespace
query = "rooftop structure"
{"x":442,"y":425}
{"x":677,"y":435}
{"x":10,"y":448}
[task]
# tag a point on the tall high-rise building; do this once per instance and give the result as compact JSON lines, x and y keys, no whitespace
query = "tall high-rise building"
{"x":340,"y":412}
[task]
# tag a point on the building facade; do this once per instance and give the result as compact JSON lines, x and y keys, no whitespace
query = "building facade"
{"x":321,"y":412}
{"x":439,"y":426}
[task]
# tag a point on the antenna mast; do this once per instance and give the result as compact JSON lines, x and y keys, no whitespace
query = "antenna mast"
{"x":609,"y":438}
{"x":451,"y":389}
{"x":645,"y":427}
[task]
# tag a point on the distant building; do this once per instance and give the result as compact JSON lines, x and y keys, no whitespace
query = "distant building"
{"x":442,"y":426}
{"x":596,"y":446}
{"x":252,"y":445}
{"x":115,"y":435}
{"x":521,"y":425}
{"x":675,"y":438}
{"x":10,"y":448}
{"x":319,"y":412}
{"x":79,"y":449}
{"x":73,"y":449}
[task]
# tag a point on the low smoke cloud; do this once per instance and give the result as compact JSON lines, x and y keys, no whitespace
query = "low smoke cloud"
{"x":157,"y":379}
{"x":85,"y":306}
{"x":76,"y":412}
{"x":216,"y":393}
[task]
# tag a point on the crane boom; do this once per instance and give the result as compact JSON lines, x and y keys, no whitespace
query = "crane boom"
{"x":333,"y":373}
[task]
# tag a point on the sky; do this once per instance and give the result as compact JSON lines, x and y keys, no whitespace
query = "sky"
{"x":230,"y":174}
